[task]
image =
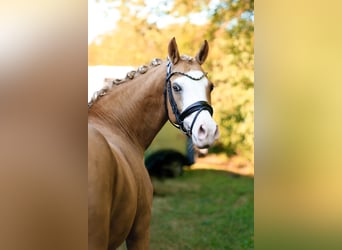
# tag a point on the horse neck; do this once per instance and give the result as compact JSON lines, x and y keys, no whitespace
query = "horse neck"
{"x":135,"y":109}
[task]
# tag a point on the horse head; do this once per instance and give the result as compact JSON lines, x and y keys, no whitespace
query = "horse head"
{"x":187,"y":95}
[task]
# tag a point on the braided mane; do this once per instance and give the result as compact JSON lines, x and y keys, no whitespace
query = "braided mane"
{"x":109,"y":83}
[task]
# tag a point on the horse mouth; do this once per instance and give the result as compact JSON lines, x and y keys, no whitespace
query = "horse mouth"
{"x":202,"y":146}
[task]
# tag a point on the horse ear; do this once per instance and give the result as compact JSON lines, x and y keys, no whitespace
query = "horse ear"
{"x":173,"y":51}
{"x":202,"y":53}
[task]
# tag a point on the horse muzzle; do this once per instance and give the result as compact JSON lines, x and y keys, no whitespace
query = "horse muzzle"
{"x":204,"y":130}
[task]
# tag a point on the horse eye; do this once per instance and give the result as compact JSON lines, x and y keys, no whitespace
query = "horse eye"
{"x":176,"y":87}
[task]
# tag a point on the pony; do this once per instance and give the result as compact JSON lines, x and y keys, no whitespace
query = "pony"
{"x":123,"y":118}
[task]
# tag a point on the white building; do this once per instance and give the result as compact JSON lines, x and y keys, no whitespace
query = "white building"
{"x":97,"y":74}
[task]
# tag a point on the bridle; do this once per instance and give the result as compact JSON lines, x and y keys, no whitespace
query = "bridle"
{"x":195,"y":107}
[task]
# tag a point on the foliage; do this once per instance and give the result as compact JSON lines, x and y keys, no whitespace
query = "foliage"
{"x":229,"y":30}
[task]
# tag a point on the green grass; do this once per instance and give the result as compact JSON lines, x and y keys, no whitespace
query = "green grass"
{"x":203,"y":209}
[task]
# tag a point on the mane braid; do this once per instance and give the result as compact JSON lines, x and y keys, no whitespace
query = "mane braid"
{"x":109,"y":82}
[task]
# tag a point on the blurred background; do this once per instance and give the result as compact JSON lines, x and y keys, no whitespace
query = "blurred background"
{"x":211,"y":206}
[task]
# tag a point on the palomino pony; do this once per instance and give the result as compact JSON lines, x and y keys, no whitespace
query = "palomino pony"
{"x":123,"y":119}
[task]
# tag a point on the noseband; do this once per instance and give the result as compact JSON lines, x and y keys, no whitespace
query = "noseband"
{"x":195,"y":107}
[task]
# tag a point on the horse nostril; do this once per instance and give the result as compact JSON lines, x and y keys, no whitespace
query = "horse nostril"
{"x":202,"y":132}
{"x":217,"y":133}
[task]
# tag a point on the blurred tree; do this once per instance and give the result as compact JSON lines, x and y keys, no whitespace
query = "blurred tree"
{"x":231,"y":36}
{"x":229,"y":29}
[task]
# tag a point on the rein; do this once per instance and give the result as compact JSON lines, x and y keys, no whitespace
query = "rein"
{"x":195,"y":107}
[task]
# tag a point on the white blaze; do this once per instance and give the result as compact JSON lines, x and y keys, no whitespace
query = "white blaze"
{"x":204,"y":131}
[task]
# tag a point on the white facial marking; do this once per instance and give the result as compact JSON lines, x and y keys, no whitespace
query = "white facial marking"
{"x":193,"y":91}
{"x":205,"y":130}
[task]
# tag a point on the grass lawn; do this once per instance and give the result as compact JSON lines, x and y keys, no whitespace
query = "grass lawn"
{"x":203,"y":209}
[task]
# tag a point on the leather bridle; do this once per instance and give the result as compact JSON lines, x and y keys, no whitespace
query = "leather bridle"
{"x":195,"y":107}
